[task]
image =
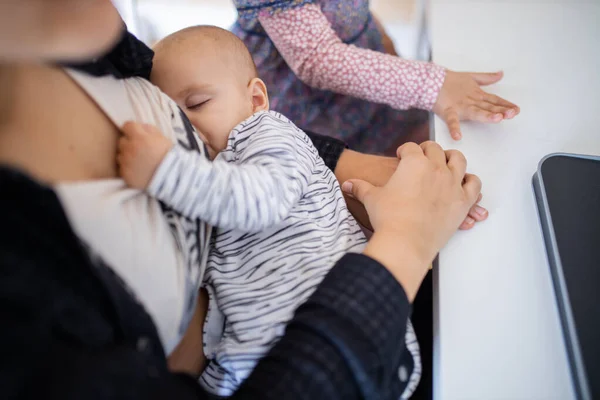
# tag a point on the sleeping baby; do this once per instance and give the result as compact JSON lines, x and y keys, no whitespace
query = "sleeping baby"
{"x":280,"y":217}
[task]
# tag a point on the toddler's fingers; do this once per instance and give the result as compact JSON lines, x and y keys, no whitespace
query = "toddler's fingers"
{"x":477,"y":113}
{"x":486,"y":78}
{"x":453,"y":122}
{"x":507,"y":112}
{"x":499,"y":101}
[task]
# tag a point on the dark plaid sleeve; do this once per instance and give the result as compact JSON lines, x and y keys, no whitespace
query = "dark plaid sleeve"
{"x":76,"y":332}
{"x":330,"y":149}
{"x":345,"y":342}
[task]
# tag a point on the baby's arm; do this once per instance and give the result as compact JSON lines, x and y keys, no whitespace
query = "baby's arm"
{"x":272,"y":170}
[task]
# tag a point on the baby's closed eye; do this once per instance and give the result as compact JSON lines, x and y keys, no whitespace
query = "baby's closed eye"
{"x":196,"y":101}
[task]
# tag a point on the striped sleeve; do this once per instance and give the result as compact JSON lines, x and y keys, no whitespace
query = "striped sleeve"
{"x":252,"y":185}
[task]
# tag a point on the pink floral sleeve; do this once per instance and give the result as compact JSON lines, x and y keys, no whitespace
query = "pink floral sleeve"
{"x":320,"y":59}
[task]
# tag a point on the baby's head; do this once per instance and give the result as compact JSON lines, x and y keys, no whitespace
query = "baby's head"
{"x":210,"y":74}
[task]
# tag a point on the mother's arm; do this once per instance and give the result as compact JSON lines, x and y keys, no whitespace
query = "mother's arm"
{"x":75,"y":332}
{"x":377,"y":170}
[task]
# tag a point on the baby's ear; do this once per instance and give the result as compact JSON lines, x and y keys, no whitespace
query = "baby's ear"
{"x":260,"y":97}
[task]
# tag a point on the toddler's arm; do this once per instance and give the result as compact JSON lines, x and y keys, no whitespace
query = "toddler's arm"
{"x":312,"y":49}
{"x":273,"y":164}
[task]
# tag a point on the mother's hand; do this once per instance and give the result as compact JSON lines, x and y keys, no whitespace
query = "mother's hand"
{"x":418,"y":210}
{"x":461,"y":98}
{"x":377,"y":170}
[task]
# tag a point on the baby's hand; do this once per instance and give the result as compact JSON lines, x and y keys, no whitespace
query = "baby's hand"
{"x":141,"y":149}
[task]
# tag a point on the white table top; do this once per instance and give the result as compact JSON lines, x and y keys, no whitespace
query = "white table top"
{"x":497,"y":331}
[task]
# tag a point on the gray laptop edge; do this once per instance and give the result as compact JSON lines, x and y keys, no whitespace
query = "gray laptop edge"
{"x":560,"y":178}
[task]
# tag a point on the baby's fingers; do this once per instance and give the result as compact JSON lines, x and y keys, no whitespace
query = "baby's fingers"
{"x":124,"y":146}
{"x":120,"y":161}
{"x":132,"y":129}
{"x":127,"y":151}
{"x":151,"y":129}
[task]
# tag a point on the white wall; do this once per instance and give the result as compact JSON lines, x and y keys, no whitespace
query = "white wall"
{"x":151,"y":20}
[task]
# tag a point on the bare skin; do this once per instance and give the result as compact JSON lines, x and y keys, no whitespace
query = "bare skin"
{"x":188,"y":356}
{"x":55,"y":132}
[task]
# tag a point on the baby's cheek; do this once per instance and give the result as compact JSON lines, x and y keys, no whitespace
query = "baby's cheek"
{"x":202,"y":137}
{"x":212,"y":153}
{"x":221,"y":143}
{"x":209,"y":149}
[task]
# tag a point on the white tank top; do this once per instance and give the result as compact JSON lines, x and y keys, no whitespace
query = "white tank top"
{"x":159,"y":254}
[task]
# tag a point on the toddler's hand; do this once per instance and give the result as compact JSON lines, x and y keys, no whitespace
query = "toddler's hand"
{"x":141,"y":149}
{"x":461,"y":98}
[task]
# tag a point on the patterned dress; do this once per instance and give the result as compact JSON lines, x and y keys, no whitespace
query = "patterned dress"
{"x":315,"y":57}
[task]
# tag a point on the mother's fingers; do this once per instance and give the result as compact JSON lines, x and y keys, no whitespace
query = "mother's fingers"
{"x":457,"y":163}
{"x":434,"y":152}
{"x":408,"y":149}
{"x":472,"y":188}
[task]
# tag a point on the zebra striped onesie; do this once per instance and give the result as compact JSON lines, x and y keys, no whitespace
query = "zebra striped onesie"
{"x":282,"y":224}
